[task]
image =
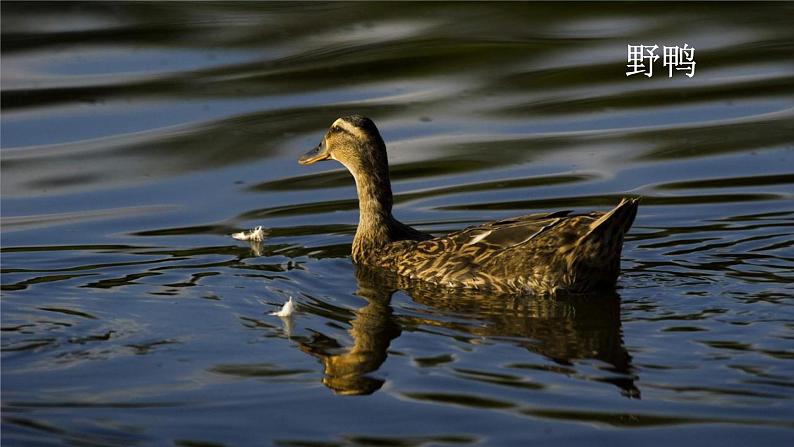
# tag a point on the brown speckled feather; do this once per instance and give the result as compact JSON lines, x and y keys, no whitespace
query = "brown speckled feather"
{"x":537,"y":253}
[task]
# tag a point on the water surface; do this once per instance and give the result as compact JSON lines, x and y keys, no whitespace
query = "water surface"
{"x":137,"y":136}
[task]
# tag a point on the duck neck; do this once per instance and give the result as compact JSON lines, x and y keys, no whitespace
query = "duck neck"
{"x":375,"y":219}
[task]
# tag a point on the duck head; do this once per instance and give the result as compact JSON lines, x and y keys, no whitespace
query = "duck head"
{"x":355,"y":142}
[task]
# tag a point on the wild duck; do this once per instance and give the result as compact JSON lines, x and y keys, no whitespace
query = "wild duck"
{"x":545,"y":253}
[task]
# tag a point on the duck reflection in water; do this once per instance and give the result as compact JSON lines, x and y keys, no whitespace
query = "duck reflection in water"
{"x":562,"y":329}
{"x":373,"y":328}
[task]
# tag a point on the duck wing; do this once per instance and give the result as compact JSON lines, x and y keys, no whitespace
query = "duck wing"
{"x":456,"y":258}
{"x":538,"y":252}
{"x":505,"y":234}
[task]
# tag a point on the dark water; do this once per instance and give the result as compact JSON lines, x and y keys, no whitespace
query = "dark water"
{"x":137,"y":137}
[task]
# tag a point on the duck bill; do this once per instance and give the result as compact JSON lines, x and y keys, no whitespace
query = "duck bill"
{"x":319,"y":153}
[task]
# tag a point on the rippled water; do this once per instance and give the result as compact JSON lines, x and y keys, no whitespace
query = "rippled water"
{"x":137,"y":137}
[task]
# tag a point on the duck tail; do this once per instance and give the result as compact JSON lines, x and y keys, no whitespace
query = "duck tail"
{"x":614,"y":223}
{"x":594,"y":262}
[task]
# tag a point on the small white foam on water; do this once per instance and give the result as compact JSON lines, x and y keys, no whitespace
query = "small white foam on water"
{"x":256,"y":235}
{"x":287,"y":310}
